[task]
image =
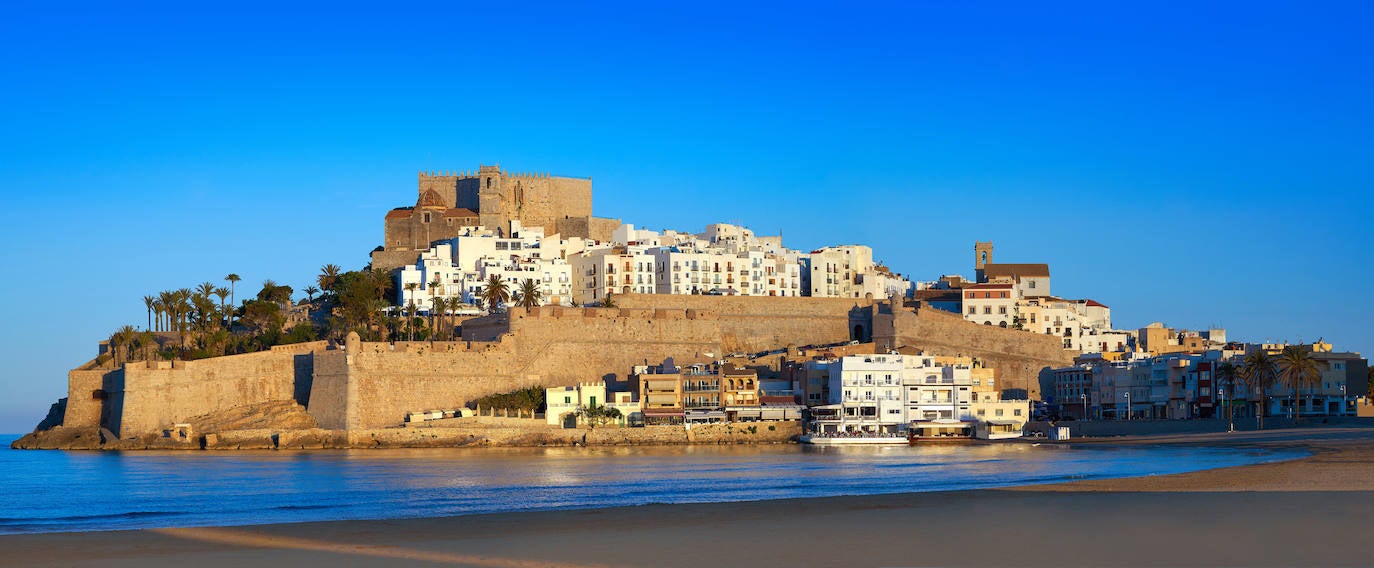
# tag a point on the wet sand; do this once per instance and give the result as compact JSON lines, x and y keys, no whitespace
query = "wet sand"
{"x":1311,"y":512}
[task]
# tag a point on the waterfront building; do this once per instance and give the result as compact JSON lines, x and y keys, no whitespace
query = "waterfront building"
{"x":565,"y":405}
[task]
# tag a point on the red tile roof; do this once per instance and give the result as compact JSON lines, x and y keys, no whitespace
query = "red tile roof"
{"x":1017,"y":270}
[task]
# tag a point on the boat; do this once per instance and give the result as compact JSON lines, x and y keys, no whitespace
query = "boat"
{"x":853,"y":440}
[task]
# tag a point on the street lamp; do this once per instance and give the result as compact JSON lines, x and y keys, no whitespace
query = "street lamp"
{"x":1230,"y":420}
{"x":1128,"y":405}
{"x":1342,"y":410}
{"x":1084,"y":398}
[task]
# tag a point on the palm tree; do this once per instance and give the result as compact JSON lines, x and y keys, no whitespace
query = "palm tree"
{"x":169,"y":301}
{"x":1259,"y":372}
{"x":440,"y":309}
{"x":436,"y":303}
{"x":529,"y":295}
{"x":329,"y":274}
{"x":148,"y":302}
{"x":231,"y":279}
{"x":122,"y":342}
{"x":183,"y":311}
{"x":609,"y":302}
{"x":496,"y":293}
{"x":410,"y":319}
{"x":1298,"y":369}
{"x":146,"y":340}
{"x":1226,"y":378}
{"x":223,"y":293}
{"x":310,"y":292}
{"x":410,"y":308}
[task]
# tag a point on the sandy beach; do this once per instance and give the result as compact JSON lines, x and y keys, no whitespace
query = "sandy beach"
{"x":1308,"y":512}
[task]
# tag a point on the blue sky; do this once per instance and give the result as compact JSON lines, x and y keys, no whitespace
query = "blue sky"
{"x":1196,"y":165}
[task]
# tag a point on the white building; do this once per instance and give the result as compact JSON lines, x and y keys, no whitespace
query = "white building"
{"x":990,"y":304}
{"x":866,"y":393}
{"x":565,"y":405}
{"x":603,"y":272}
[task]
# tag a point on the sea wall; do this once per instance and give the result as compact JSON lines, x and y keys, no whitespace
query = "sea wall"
{"x":149,"y":395}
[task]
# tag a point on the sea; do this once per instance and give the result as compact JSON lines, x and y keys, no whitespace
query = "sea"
{"x":60,"y":491}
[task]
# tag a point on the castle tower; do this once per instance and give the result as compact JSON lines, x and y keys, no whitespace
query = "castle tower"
{"x":490,"y":210}
{"x":982,"y":256}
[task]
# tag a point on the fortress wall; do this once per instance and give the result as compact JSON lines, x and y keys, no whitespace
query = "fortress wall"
{"x":548,"y":347}
{"x":1017,"y":356}
{"x":601,"y":228}
{"x":567,"y":196}
{"x":83,"y":407}
{"x":330,"y":390}
{"x":757,"y":323}
{"x":151,"y":398}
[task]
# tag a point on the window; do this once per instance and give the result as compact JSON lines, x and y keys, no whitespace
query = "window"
{"x":1016,"y":412}
{"x":999,"y":412}
{"x":426,"y":216}
{"x":972,"y":310}
{"x":1002,"y":310}
{"x":987,"y":309}
{"x":1032,"y":285}
{"x":567,"y":400}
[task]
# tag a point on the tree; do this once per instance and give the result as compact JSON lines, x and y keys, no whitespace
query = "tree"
{"x":410,"y":308}
{"x":222,"y":293}
{"x":1226,"y":374}
{"x":1259,"y":372}
{"x":329,"y":275}
{"x":147,"y":342}
{"x":597,"y":415}
{"x":496,"y":293}
{"x":231,"y":279}
{"x":609,"y":302}
{"x":168,"y":301}
{"x":436,"y":304}
{"x":1298,"y":369}
{"x":148,"y":302}
{"x":310,"y":292}
{"x":529,"y":296}
{"x":122,"y":343}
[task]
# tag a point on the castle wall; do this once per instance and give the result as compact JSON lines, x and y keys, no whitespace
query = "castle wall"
{"x":601,"y":228}
{"x":751,"y":324}
{"x":547,"y":346}
{"x":152,"y":395}
{"x":1017,"y":356}
{"x":330,"y":393}
{"x":83,"y":405}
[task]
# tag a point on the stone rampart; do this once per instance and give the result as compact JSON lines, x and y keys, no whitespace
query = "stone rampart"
{"x":760,"y":323}
{"x":153,"y":394}
{"x":1017,"y":356}
{"x":85,"y":396}
{"x":380,"y":382}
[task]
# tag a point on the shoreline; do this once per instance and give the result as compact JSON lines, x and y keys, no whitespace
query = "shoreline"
{"x":1307,"y":511}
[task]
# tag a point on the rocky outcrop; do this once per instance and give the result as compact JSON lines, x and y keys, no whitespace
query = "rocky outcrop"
{"x":60,"y":438}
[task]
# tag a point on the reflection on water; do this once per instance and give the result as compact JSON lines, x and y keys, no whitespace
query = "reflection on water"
{"x":65,"y":491}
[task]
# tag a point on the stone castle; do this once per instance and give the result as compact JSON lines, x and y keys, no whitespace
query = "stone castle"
{"x":360,"y":386}
{"x":493,"y":198}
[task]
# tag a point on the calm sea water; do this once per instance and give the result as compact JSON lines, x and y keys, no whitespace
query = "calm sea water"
{"x":46,"y":491}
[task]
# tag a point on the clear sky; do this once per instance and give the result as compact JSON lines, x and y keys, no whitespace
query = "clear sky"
{"x":1195,"y":165}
